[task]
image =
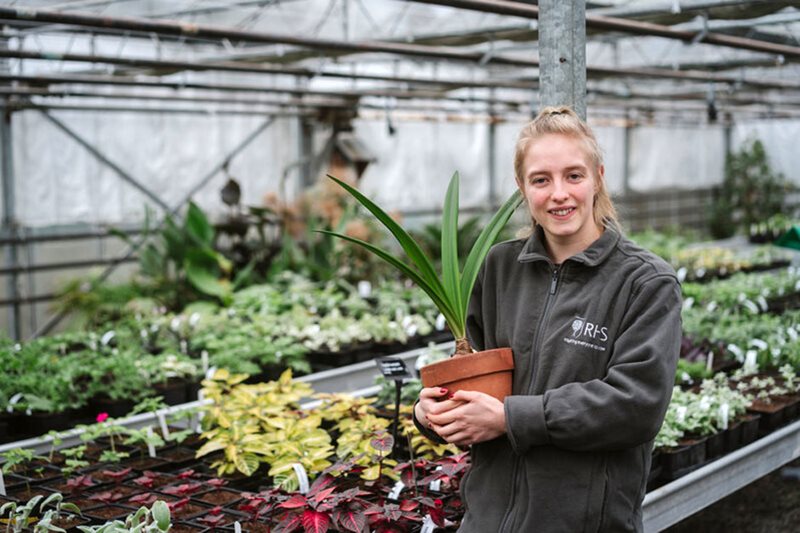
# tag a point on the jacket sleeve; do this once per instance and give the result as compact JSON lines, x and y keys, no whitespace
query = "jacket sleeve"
{"x":427,"y":432}
{"x":626,"y":407}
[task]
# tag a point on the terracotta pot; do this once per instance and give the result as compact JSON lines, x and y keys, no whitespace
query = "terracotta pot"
{"x":489,"y":371}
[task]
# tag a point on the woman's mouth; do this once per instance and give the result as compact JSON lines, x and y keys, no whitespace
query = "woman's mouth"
{"x":562,"y":212}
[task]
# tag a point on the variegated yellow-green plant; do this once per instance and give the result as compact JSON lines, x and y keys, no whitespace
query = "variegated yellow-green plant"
{"x":451,"y":289}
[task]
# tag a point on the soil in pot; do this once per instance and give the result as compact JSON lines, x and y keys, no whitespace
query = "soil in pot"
{"x":222,"y":497}
{"x":189,"y":511}
{"x":186,"y":527}
{"x":25,"y":493}
{"x":178,"y":457}
{"x":145,"y":463}
{"x":70,"y":522}
{"x":489,"y":371}
{"x":107,"y":512}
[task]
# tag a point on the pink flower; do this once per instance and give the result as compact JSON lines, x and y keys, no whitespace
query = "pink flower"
{"x":102,"y":417}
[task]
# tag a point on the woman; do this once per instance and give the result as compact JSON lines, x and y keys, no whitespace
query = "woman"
{"x":594,"y":324}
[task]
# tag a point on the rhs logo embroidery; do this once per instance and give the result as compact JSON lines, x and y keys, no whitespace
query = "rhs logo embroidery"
{"x":584,"y":332}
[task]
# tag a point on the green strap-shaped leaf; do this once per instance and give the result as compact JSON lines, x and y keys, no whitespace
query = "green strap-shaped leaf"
{"x":484,"y":241}
{"x":417,"y":256}
{"x":432,"y":287}
{"x":449,"y":246}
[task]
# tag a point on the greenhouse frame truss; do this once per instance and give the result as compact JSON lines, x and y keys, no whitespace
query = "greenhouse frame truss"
{"x":488,"y":73}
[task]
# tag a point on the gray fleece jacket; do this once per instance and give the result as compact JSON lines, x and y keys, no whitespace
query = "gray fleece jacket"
{"x":595,"y":341}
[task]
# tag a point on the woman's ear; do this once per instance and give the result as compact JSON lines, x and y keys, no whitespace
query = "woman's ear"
{"x":601,"y":173}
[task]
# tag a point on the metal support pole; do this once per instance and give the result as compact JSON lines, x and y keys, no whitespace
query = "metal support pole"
{"x":55,"y":319}
{"x":305,"y":153}
{"x":562,"y":54}
{"x":9,"y":219}
{"x":492,"y":159}
{"x":105,"y":160}
{"x":626,"y":158}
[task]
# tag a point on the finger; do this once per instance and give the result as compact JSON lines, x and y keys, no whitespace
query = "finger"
{"x":467,"y":395}
{"x":442,"y":406}
{"x":433,"y":392}
{"x":446,"y":431}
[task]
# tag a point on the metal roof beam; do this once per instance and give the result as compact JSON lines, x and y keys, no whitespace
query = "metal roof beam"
{"x":597,"y":22}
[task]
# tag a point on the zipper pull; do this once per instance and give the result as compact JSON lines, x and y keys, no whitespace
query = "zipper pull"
{"x":554,"y":282}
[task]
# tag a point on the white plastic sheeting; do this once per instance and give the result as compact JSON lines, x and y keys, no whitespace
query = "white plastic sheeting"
{"x":59,"y":182}
{"x":780,"y":140}
{"x":676,"y":157}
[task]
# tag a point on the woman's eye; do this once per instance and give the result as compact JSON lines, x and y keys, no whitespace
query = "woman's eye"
{"x":575,"y":177}
{"x":538,"y":181}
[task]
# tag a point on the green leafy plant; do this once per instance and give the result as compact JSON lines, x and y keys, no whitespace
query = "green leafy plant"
{"x":451,"y":290}
{"x":750,"y":193}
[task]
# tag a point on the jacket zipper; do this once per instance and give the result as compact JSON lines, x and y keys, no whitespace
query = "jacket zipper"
{"x":536,"y":343}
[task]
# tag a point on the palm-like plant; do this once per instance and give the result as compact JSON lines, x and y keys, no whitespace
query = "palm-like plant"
{"x":451,"y":289}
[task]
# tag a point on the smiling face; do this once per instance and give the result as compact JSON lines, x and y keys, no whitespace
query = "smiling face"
{"x":559,"y":184}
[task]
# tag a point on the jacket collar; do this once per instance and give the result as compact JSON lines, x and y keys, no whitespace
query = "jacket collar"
{"x":534,"y":248}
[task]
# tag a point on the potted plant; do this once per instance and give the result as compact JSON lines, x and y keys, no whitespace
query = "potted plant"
{"x":488,"y":371}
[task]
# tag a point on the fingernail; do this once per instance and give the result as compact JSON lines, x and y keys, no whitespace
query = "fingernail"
{"x":442,"y":391}
{"x":449,"y":396}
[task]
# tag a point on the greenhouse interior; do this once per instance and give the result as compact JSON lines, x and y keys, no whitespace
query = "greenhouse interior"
{"x":238,"y":236}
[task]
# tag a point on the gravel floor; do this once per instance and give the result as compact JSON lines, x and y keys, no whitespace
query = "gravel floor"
{"x":769,"y":505}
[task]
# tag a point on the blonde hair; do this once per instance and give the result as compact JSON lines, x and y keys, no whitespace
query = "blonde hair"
{"x":564,"y":121}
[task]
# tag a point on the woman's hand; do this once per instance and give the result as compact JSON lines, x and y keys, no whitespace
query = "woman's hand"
{"x":467,"y":417}
{"x":429,"y":397}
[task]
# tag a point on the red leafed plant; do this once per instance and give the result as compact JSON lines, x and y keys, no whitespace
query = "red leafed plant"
{"x":79,"y":483}
{"x":263,"y":504}
{"x":117,"y":475}
{"x":328,"y":504}
{"x":108,"y":497}
{"x":183,"y":490}
{"x":394,"y":518}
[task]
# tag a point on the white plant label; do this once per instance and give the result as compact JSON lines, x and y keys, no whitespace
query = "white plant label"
{"x":440,"y":322}
{"x":162,"y":423}
{"x":151,"y":449}
{"x":750,"y":362}
{"x":758,"y":343}
{"x":364,"y":288}
{"x":737,"y":352}
{"x":688,"y":303}
{"x":2,"y":484}
{"x":107,"y":336}
{"x":398,"y":487}
{"x":712,"y":306}
{"x":751,"y":306}
{"x":724,"y":413}
{"x":302,"y":477}
{"x":14,"y":400}
{"x":427,"y":525}
{"x":792,"y":333}
{"x":199,"y":427}
{"x":762,"y":302}
{"x":204,"y":360}
{"x":210,"y":372}
{"x":436,"y":485}
{"x":237,"y":527}
{"x":710,"y":361}
{"x":681,"y":273}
